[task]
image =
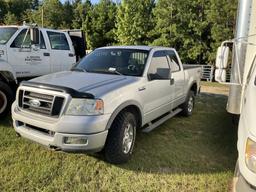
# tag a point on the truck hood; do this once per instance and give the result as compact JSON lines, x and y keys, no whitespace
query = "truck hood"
{"x":85,"y":82}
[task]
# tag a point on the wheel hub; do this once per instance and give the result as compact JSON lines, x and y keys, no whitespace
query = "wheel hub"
{"x":190,"y":104}
{"x":128,"y":138}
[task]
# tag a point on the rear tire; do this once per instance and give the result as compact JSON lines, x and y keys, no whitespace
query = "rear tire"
{"x":6,"y":99}
{"x":188,"y":106}
{"x":121,"y":138}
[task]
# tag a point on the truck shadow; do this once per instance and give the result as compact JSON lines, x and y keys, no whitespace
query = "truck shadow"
{"x":202,"y":143}
{"x":6,"y":122}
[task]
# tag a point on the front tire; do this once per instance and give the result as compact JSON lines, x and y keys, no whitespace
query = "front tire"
{"x":121,"y":138}
{"x":188,"y":106}
{"x":6,"y":99}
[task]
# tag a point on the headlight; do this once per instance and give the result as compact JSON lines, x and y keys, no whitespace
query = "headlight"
{"x":250,"y":155}
{"x":85,"y":107}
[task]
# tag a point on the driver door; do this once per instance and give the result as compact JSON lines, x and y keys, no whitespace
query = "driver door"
{"x":28,"y":61}
{"x":159,"y":93}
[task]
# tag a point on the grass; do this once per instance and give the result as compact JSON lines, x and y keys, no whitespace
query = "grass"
{"x":184,"y":154}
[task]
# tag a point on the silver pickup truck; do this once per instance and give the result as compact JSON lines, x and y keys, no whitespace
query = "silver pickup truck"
{"x":105,"y":98}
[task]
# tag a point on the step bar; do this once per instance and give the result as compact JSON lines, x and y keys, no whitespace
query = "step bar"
{"x":151,"y":126}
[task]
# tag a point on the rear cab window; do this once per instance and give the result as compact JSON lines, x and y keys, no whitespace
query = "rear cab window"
{"x":58,"y":41}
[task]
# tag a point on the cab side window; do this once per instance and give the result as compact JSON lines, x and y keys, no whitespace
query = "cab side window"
{"x":159,"y":66}
{"x":173,"y":61}
{"x":58,"y":41}
{"x":23,"y":40}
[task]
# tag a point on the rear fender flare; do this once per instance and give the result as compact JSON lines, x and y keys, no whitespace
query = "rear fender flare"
{"x":190,"y":87}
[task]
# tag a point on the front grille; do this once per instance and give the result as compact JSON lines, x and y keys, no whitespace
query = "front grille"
{"x":44,"y":104}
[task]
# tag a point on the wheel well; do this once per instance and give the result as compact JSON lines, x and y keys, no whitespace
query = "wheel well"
{"x":194,"y":88}
{"x":6,"y":77}
{"x":2,"y":78}
{"x":136,"y":111}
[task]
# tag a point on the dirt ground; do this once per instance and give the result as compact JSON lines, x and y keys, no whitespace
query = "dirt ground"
{"x":214,"y":88}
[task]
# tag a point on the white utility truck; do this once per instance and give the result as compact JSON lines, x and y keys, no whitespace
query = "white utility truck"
{"x":241,"y":100}
{"x":30,"y":51}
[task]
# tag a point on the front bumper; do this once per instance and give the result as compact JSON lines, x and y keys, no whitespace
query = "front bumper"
{"x":239,"y":184}
{"x":52,"y":132}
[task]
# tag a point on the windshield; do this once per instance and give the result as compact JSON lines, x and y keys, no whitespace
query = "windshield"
{"x":6,"y":33}
{"x":129,"y":62}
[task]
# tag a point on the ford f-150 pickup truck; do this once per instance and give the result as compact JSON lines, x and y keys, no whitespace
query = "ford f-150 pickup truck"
{"x":105,"y":98}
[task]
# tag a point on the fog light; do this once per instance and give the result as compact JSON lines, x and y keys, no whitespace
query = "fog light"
{"x":75,"y":140}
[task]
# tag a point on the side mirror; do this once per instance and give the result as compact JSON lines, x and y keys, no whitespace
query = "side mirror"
{"x":34,"y":36}
{"x":220,"y":75}
{"x":35,"y":47}
{"x":221,"y":63}
{"x":222,"y":57}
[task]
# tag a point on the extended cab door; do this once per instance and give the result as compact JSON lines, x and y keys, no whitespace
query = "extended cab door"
{"x":62,"y":51}
{"x":178,"y":77}
{"x":28,"y":60}
{"x":158,"y":93}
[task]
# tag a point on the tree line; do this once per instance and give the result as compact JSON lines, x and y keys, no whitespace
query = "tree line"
{"x":194,"y":27}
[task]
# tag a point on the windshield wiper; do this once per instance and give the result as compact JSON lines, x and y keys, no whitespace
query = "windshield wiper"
{"x":78,"y":69}
{"x":113,"y":70}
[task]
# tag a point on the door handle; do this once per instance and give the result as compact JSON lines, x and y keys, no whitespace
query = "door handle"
{"x":71,"y":55}
{"x":47,"y":54}
{"x":172,"y":81}
{"x":142,"y":88}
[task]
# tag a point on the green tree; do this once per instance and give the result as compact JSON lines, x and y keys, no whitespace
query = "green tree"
{"x":3,"y":10}
{"x":183,"y":25}
{"x":134,"y":21}
{"x":222,"y":17}
{"x":10,"y":19}
{"x":16,"y":9}
{"x":50,"y":14}
{"x":68,"y":15}
{"x":99,"y":24}
{"x":81,"y":12}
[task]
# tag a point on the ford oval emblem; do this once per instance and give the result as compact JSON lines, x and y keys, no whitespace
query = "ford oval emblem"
{"x":34,"y":103}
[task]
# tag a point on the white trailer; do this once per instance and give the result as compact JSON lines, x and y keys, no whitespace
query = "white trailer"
{"x":30,"y":51}
{"x":241,"y":100}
